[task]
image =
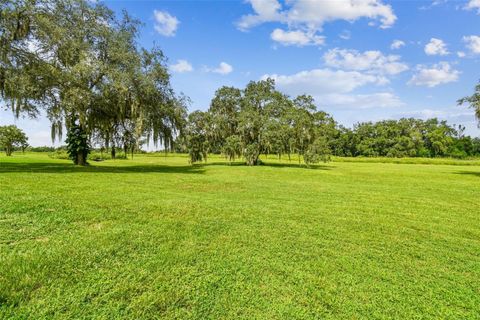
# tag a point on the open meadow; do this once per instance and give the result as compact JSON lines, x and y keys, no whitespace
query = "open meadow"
{"x":155,"y":237}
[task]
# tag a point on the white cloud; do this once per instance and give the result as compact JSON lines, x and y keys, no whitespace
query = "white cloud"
{"x":324,"y":81}
{"x":165,"y":24}
{"x":435,"y":113}
{"x":265,"y":11}
{"x":461,"y":54}
{"x":310,"y":16}
{"x":433,"y":4}
{"x":369,"y":61}
{"x":473,"y":43}
{"x":362,"y":101}
{"x":440,"y":73}
{"x":473,"y":5}
{"x":436,"y":47}
{"x":397,"y":44}
{"x":334,"y":88}
{"x":181,"y":66}
{"x":223,"y":69}
{"x":297,"y":38}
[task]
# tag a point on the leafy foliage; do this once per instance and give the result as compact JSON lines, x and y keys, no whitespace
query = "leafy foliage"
{"x":232,"y":147}
{"x":78,"y":146}
{"x":473,"y":101}
{"x":403,"y":138}
{"x":317,"y":151}
{"x":76,"y":61}
{"x":257,"y":120}
{"x":12,"y":137}
{"x":197,"y":133}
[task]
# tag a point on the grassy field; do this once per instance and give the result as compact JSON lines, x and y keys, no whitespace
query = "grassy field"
{"x":156,"y":238}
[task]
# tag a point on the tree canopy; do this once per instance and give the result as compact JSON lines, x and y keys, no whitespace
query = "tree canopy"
{"x":81,"y":65}
{"x":258,"y":120}
{"x":473,"y":101}
{"x":12,"y":137}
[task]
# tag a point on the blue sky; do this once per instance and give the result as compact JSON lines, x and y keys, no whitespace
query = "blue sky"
{"x":362,"y":60}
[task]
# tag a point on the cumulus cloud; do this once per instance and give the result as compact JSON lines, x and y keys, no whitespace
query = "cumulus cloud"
{"x":397,"y":44}
{"x":473,"y":43}
{"x":362,"y":101}
{"x":461,"y":54}
{"x":309,"y":16}
{"x":473,"y":5}
{"x":165,"y":24}
{"x":440,"y":73}
{"x":369,"y":61}
{"x":297,"y":38}
{"x":181,"y":66}
{"x":265,"y":11}
{"x":323,"y":81}
{"x":334,"y":88}
{"x":223,"y":69}
{"x":436,"y":47}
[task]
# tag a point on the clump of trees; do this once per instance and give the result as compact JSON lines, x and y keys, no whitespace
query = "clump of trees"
{"x":74,"y":60}
{"x":405,"y":138}
{"x":258,"y":120}
{"x":12,"y":137}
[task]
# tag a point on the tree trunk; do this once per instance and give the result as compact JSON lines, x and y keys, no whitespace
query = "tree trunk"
{"x":8,"y":151}
{"x":113,"y":151}
{"x":81,"y":159}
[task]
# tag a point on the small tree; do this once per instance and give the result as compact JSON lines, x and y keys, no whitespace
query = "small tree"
{"x":12,"y":137}
{"x":196,"y":139}
{"x":78,"y":146}
{"x":317,"y":151}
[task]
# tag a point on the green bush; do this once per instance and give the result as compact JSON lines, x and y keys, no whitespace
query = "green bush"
{"x":59,"y":154}
{"x":101,"y":156}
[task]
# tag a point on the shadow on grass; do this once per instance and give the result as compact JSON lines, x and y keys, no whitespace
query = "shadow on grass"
{"x":47,"y":167}
{"x":44,"y":167}
{"x":471,"y":173}
{"x":269,"y":164}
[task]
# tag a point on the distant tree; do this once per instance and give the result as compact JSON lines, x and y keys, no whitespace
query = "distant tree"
{"x":12,"y":137}
{"x":302,"y":120}
{"x":196,"y":135}
{"x":261,"y":120}
{"x":318,"y":151}
{"x":224,"y":110}
{"x":253,"y":115}
{"x":476,"y":146}
{"x":439,"y":137}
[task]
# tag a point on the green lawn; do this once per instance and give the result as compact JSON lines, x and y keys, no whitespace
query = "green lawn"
{"x":156,"y":238}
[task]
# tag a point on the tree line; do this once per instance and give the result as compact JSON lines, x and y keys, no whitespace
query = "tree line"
{"x":261,"y":120}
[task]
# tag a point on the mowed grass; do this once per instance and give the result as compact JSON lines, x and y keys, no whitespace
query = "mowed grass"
{"x":155,"y":237}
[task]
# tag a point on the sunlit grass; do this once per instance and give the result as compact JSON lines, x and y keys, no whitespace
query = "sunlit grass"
{"x":154,"y":237}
